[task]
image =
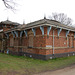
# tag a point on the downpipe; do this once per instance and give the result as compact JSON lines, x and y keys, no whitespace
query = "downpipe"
{"x":53,"y":42}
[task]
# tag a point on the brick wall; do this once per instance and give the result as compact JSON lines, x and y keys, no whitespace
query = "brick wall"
{"x":7,"y":27}
{"x":41,"y":43}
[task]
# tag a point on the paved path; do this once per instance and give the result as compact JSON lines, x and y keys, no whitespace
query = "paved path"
{"x":65,"y":71}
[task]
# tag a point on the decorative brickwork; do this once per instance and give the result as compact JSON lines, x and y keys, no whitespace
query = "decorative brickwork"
{"x":41,"y":41}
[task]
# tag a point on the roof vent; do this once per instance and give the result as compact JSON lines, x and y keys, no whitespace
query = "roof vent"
{"x":23,"y":22}
{"x":7,"y":18}
{"x":44,"y":16}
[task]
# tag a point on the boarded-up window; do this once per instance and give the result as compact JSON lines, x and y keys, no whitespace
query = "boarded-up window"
{"x":11,"y":42}
{"x":30,"y":41}
{"x":72,"y":41}
{"x":68,"y":41}
{"x":16,"y":43}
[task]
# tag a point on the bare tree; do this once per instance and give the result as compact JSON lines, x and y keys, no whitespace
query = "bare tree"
{"x":62,"y":18}
{"x":10,"y":4}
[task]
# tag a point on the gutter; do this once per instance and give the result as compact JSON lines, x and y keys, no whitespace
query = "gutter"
{"x":38,"y":25}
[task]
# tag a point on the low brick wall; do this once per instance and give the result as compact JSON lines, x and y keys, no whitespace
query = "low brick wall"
{"x":43,"y":57}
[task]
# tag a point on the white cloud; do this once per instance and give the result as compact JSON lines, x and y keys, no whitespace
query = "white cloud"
{"x":32,"y":10}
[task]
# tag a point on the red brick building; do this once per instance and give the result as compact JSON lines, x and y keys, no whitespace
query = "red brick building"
{"x":4,"y":26}
{"x":42,"y":39}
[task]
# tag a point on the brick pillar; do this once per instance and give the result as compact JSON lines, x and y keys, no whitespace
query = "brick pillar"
{"x":20,"y":44}
{"x":8,"y":42}
{"x":74,"y":42}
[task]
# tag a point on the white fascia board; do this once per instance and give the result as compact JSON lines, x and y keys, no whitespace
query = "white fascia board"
{"x":35,"y":26}
{"x":61,"y":27}
{"x":46,"y":25}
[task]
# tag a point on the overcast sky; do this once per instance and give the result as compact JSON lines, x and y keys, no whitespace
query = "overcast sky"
{"x":32,"y":10}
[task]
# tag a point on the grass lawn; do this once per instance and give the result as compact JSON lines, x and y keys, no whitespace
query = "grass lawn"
{"x":20,"y":65}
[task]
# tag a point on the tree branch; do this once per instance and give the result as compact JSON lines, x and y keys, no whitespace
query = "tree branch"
{"x":9,"y":4}
{"x":62,"y":18}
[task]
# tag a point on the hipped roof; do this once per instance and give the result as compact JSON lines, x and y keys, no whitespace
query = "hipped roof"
{"x":9,"y":22}
{"x":42,"y":22}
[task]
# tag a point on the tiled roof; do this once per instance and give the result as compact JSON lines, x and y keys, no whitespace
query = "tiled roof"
{"x":9,"y":22}
{"x":46,"y":22}
{"x":43,"y":22}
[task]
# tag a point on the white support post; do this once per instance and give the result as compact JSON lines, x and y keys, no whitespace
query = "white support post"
{"x":16,"y":32}
{"x":42,"y":30}
{"x":21,"y":34}
{"x":48,"y":30}
{"x":34,"y":31}
{"x":74,"y":35}
{"x":59,"y":30}
{"x":67,"y":32}
{"x":25,"y":31}
{"x":7,"y":35}
{"x":13,"y":34}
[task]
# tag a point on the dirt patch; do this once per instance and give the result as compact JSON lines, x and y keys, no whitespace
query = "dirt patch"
{"x":0,"y":73}
{"x":12,"y":72}
{"x":65,"y":71}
